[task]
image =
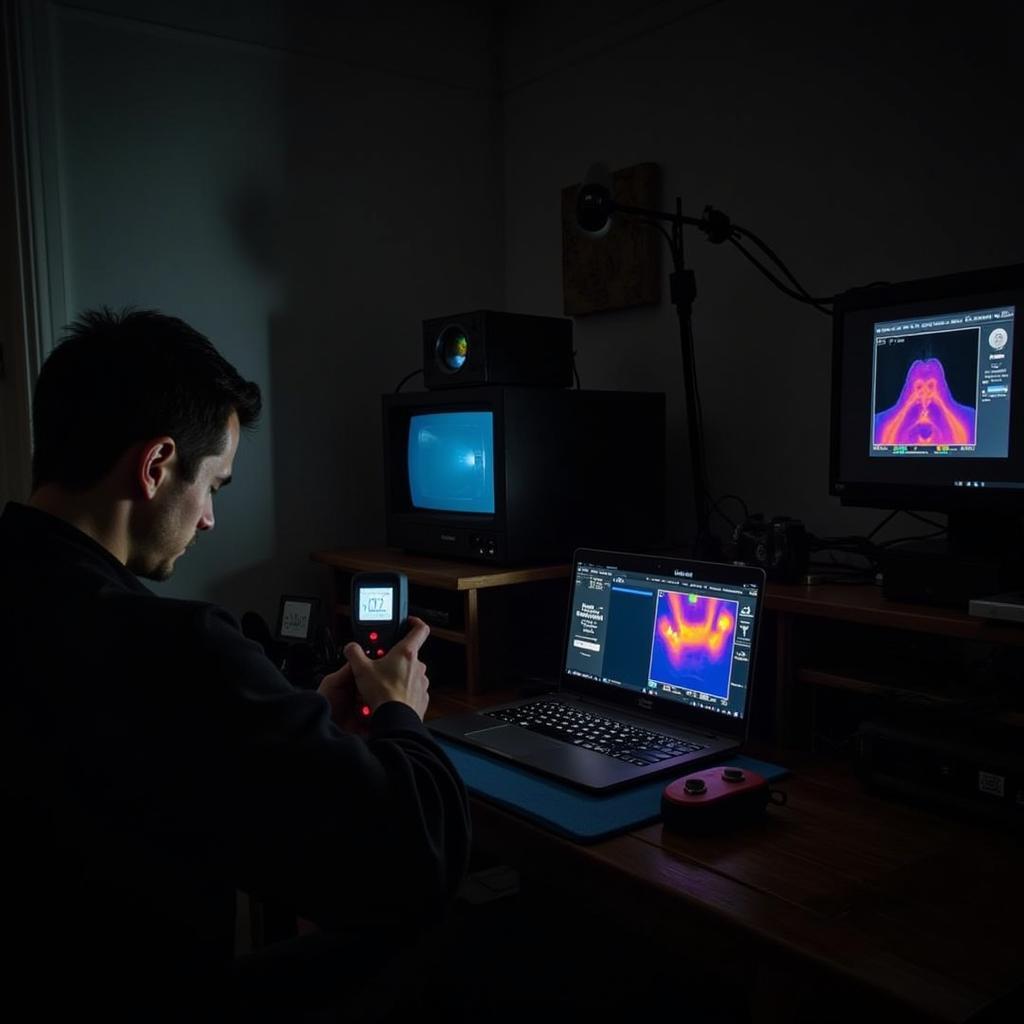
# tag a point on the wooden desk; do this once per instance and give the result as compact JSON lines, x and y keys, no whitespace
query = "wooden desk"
{"x":842,"y":904}
{"x":466,"y":578}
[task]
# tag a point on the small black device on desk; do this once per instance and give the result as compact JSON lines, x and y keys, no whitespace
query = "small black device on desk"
{"x":380,"y":610}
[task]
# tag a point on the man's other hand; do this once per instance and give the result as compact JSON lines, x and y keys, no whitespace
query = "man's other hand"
{"x":346,"y":704}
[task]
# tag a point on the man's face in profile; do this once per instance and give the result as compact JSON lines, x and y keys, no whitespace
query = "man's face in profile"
{"x":182,"y":509}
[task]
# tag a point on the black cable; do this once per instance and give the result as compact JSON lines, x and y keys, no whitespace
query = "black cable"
{"x":575,"y":372}
{"x":913,"y":515}
{"x":920,"y":536}
{"x":715,"y":508}
{"x":890,"y":516}
{"x":661,"y":228}
{"x":407,"y":377}
{"x":930,"y":522}
{"x":774,"y":257}
{"x":782,"y":286}
{"x":734,"y":497}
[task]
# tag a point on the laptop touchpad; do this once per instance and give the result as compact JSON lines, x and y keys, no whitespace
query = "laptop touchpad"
{"x":511,"y":739}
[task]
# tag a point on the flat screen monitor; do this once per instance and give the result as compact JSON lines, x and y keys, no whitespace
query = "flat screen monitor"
{"x":928,"y":396}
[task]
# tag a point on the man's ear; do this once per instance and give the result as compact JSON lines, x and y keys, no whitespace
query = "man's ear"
{"x":156,"y":457}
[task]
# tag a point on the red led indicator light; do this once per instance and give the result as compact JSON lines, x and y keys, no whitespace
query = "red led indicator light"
{"x":380,"y":652}
{"x":366,"y":711}
{"x":374,"y":636}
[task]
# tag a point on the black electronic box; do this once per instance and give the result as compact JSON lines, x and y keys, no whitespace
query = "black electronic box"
{"x":972,"y":770}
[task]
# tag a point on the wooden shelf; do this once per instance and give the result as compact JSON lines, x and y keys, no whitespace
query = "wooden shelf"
{"x":866,"y":605}
{"x":437,"y":572}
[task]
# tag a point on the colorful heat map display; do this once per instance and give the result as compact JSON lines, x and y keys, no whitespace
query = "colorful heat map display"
{"x":693,"y":642}
{"x":926,"y":413}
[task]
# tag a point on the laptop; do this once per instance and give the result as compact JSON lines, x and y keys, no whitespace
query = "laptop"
{"x":656,"y":674}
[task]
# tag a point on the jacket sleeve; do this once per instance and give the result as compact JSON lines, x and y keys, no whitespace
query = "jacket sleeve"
{"x":342,"y":828}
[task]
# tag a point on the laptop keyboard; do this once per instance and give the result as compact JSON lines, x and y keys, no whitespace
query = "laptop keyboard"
{"x":595,"y":732}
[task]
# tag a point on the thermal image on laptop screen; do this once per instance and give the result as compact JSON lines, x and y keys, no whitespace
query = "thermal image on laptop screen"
{"x":693,"y":642}
{"x":688,"y":641}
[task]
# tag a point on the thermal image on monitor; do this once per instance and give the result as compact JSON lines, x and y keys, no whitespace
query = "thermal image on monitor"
{"x":693,"y":642}
{"x":927,"y":413}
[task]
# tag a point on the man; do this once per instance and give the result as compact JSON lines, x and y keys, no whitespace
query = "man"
{"x":155,"y":761}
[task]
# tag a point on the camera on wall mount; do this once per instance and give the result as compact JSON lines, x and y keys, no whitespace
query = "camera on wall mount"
{"x":779,"y":546}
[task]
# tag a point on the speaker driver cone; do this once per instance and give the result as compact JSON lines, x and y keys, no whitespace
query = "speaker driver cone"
{"x":452,"y":348}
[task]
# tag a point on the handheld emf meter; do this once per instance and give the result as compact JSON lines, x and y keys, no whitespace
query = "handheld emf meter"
{"x":380,"y":606}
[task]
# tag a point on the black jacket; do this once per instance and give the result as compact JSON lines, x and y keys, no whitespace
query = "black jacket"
{"x":154,"y":761}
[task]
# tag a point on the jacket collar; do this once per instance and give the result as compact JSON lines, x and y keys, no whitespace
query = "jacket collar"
{"x":31,"y":527}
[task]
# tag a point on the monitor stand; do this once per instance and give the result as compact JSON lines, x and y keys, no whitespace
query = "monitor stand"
{"x":983,"y":554}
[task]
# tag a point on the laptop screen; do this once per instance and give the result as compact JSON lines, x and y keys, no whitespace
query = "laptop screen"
{"x":679,"y":631}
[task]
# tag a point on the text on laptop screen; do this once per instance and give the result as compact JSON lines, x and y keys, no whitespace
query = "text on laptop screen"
{"x":686,"y":640}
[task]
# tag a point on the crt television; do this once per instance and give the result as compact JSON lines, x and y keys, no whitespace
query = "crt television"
{"x":928,"y":400}
{"x":511,"y":475}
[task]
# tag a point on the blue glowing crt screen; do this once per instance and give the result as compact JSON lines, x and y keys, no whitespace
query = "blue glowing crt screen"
{"x":451,"y":461}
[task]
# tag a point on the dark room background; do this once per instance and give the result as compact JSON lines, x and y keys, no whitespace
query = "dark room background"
{"x":306,"y":182}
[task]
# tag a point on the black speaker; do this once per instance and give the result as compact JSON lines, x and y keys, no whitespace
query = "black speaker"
{"x":487,"y":347}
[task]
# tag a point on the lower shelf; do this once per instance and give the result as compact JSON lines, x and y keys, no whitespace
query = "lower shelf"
{"x":838,"y":681}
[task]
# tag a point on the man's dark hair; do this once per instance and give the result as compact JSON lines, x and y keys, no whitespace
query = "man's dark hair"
{"x":119,"y":378}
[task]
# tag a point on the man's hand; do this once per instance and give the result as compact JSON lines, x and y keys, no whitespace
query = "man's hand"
{"x":399,"y":675}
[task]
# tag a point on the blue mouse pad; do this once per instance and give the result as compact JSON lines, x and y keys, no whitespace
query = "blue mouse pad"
{"x":582,"y":816}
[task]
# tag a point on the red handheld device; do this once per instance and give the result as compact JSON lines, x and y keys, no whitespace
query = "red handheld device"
{"x":380,"y":607}
{"x":715,"y":799}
